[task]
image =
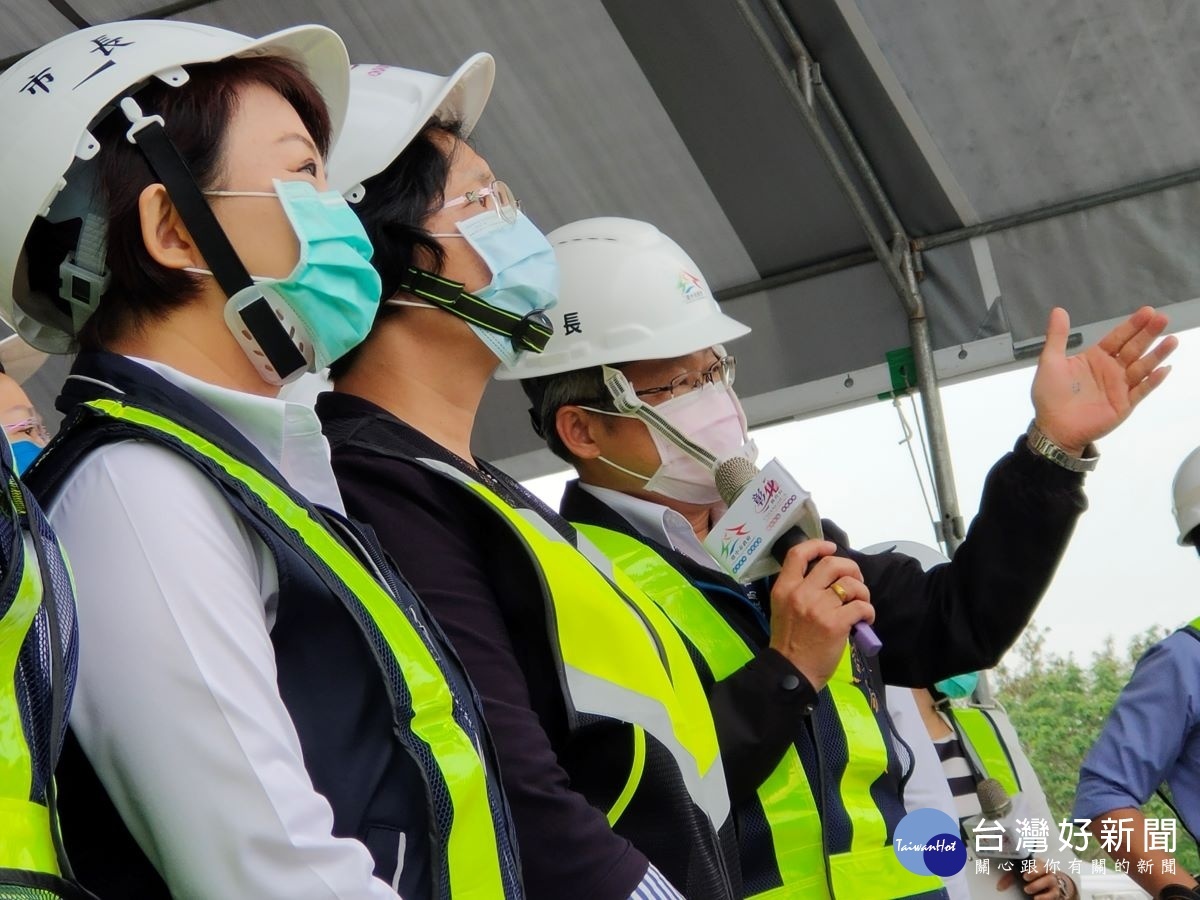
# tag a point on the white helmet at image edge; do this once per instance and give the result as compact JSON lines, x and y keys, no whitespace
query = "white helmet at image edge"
{"x":51,"y":101}
{"x":627,"y":292}
{"x":1185,"y":496}
{"x":927,"y":556}
{"x":389,"y":106}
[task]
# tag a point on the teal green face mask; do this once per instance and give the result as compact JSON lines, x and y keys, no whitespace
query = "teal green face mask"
{"x":329,"y":300}
{"x":956,"y":687}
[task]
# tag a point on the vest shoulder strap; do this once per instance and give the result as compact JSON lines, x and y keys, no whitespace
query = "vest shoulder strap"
{"x":985,"y":745}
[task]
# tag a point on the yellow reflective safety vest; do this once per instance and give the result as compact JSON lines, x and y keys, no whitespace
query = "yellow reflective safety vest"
{"x":474,"y":857}
{"x":621,"y":659}
{"x":870,"y":869}
{"x":37,"y":670}
{"x":984,"y":745}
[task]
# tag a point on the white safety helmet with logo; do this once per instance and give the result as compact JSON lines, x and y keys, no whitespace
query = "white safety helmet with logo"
{"x":57,"y":94}
{"x":1185,"y":495}
{"x":628,"y":292}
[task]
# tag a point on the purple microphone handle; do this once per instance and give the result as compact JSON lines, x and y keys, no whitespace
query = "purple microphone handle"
{"x":865,"y":639}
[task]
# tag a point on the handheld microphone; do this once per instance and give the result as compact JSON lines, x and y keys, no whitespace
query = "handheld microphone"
{"x":769,"y":513}
{"x":1001,"y":838}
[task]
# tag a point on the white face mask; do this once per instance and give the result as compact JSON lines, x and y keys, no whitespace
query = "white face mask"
{"x":710,"y":416}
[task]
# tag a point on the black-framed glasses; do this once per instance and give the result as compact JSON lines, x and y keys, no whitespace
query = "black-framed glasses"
{"x":723,"y":370}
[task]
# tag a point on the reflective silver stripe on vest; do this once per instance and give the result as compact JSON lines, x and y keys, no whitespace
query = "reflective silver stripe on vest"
{"x":591,"y":694}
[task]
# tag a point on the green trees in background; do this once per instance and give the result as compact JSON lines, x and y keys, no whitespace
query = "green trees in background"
{"x":1058,"y":708}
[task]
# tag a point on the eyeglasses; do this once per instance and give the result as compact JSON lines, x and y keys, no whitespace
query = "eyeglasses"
{"x":723,"y":370}
{"x":506,"y":204}
{"x":30,"y":426}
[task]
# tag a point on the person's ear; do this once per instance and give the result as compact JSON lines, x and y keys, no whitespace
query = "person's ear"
{"x":167,"y":239}
{"x":576,"y":429}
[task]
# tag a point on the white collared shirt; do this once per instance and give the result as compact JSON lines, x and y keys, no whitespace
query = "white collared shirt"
{"x":177,"y":704}
{"x":287,"y":433}
{"x":657,"y":522}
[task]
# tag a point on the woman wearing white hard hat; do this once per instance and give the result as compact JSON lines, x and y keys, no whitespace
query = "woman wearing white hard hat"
{"x":608,"y":752}
{"x":260,"y":698}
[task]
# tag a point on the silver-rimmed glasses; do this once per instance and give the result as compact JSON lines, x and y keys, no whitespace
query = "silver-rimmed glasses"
{"x":504,"y":202}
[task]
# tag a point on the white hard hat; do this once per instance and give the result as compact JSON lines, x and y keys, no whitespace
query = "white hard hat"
{"x":927,"y":556}
{"x":1185,"y":495}
{"x":51,"y":100}
{"x":388,"y":108}
{"x":628,"y":292}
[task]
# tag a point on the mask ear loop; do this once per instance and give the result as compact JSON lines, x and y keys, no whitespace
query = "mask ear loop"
{"x":604,"y":459}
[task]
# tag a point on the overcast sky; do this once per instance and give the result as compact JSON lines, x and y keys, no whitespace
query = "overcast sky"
{"x":1122,"y":571}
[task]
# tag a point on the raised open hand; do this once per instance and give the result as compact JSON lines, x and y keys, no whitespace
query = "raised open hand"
{"x":1079,"y":399}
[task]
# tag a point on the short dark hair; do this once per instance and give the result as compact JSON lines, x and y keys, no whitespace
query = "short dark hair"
{"x":197,"y":116}
{"x":549,"y":393}
{"x":397,"y":202}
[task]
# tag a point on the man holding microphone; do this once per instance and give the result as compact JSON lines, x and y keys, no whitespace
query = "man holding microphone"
{"x":639,"y":341}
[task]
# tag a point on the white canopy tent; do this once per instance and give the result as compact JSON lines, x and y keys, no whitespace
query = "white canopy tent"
{"x":887,"y":192}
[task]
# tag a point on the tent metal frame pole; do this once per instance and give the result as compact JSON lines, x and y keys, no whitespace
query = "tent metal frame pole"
{"x":897,"y":260}
{"x":966,"y":233}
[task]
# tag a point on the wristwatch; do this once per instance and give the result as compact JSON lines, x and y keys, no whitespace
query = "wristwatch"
{"x":1065,"y":886}
{"x":1043,"y":446}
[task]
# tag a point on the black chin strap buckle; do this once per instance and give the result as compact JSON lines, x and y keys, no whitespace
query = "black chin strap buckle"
{"x":533,"y":332}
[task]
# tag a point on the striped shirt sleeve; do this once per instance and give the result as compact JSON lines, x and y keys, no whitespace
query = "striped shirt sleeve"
{"x":655,"y":887}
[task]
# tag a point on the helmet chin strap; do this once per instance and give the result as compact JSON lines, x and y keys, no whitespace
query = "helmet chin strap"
{"x":257,"y":317}
{"x":531,"y":331}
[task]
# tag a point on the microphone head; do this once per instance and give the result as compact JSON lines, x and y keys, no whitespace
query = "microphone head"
{"x":732,"y":475}
{"x":993,"y":799}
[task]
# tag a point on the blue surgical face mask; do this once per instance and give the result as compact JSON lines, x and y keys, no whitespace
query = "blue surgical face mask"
{"x":24,"y":452}
{"x":330,"y":298}
{"x":956,"y":687}
{"x":524,"y":271}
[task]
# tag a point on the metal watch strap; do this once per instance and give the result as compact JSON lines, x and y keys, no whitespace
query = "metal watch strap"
{"x":1043,"y":446}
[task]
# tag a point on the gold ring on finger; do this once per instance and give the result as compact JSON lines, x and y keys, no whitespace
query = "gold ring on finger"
{"x":840,"y":591}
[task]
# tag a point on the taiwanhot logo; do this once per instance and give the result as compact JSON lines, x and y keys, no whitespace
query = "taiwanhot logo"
{"x":928,"y":842}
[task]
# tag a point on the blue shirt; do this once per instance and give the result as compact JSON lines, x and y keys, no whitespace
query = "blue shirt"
{"x":1152,"y":735}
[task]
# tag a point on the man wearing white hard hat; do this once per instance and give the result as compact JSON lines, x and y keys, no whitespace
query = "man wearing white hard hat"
{"x":1150,"y":743}
{"x":636,"y":317}
{"x":264,"y":708}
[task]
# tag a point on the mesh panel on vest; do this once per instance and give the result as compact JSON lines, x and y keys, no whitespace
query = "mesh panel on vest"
{"x":701,"y":877}
{"x":19,"y":885}
{"x":441,"y":810}
{"x":34,"y":665}
{"x":760,"y":872}
{"x":831,"y":749}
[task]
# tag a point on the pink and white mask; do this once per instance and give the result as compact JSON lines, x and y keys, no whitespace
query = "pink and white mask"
{"x":709,"y":416}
